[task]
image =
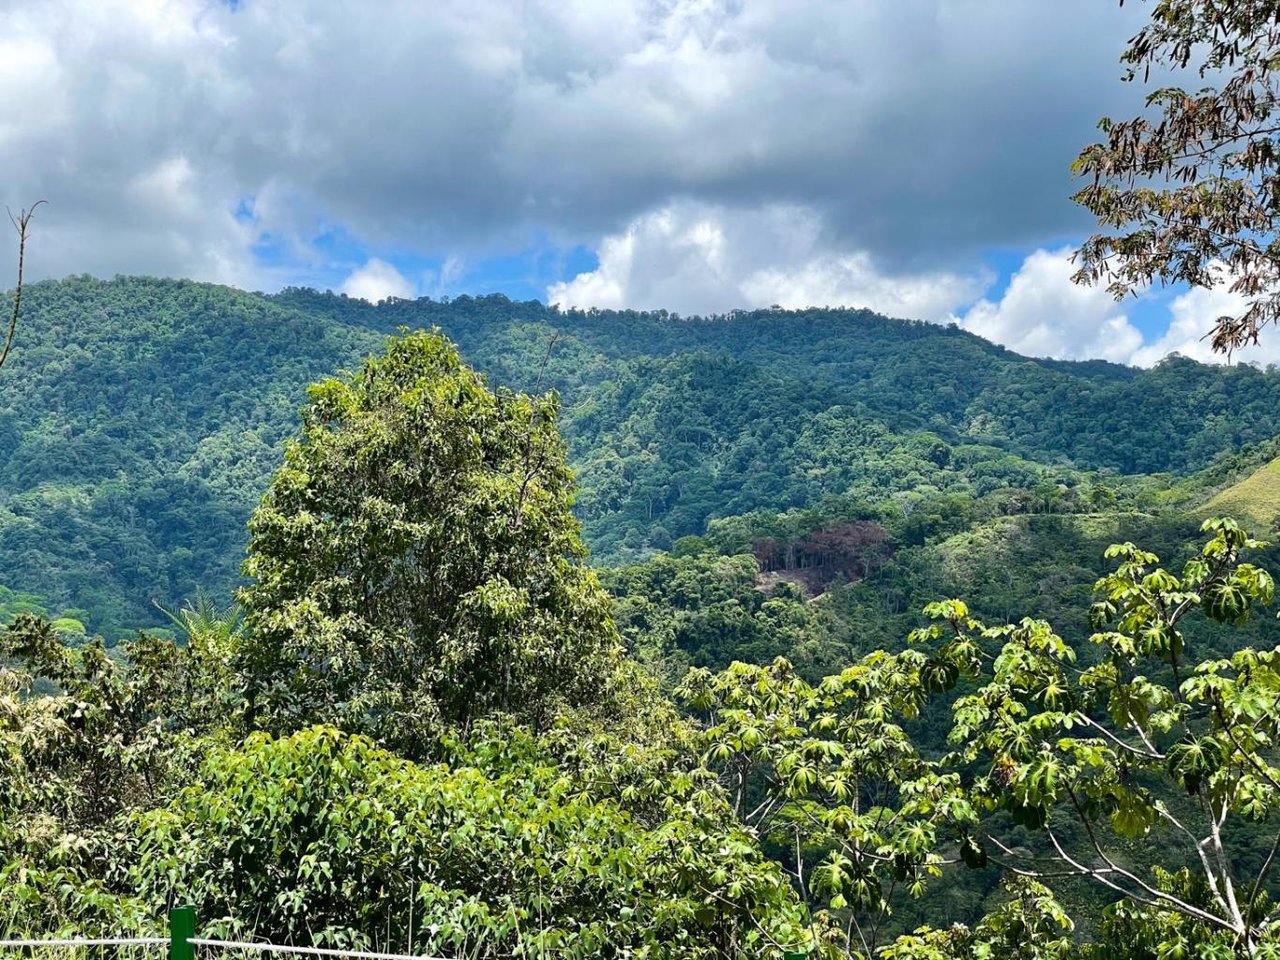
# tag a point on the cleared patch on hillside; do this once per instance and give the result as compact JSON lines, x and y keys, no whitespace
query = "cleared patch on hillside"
{"x":845,"y":552}
{"x":811,"y":583}
{"x":1255,"y":499}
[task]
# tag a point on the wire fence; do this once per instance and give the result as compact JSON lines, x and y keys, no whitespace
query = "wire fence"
{"x":250,"y":947}
{"x":76,"y":942}
{"x":181,"y":944}
{"x":85,"y":948}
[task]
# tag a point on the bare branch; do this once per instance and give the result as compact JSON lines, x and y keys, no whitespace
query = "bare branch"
{"x":20,"y":223}
{"x":1148,"y":754}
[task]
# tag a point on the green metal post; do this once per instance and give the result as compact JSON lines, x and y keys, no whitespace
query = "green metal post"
{"x":795,"y":956}
{"x":182,"y":927}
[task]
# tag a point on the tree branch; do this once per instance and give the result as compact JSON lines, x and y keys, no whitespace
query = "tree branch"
{"x":20,"y":224}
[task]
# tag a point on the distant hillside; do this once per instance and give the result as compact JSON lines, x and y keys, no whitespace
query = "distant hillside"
{"x":708,"y":605}
{"x":1177,"y":416}
{"x":140,"y":418}
{"x":1255,"y":498}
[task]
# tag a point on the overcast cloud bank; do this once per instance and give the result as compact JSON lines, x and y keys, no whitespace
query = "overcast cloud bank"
{"x":712,"y":153}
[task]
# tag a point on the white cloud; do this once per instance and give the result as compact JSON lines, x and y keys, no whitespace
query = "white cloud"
{"x":1193,"y":315}
{"x":1043,"y":314}
{"x":378,"y":280}
{"x":690,"y":142}
{"x":467,"y":126}
{"x":700,"y":259}
{"x":697,"y":258}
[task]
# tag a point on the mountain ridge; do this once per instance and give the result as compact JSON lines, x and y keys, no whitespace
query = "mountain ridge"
{"x":140,"y":418}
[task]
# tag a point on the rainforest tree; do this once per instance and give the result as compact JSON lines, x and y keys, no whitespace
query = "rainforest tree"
{"x":1139,"y":742}
{"x":1190,"y":191}
{"x":320,"y":837}
{"x":827,"y":774}
{"x":415,"y":563}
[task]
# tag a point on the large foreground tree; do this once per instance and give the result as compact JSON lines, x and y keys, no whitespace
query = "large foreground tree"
{"x":1141,"y":771}
{"x":1189,"y":192}
{"x":415,"y":563}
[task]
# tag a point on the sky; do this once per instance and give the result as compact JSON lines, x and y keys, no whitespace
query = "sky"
{"x":909,"y":156}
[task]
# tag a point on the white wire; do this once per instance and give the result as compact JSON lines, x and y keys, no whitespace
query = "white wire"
{"x":225,"y":944}
{"x":311,"y":951}
{"x":74,"y":942}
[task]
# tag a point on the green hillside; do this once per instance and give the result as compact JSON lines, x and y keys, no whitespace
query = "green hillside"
{"x":141,"y":418}
{"x":770,"y":501}
{"x":1256,"y":497}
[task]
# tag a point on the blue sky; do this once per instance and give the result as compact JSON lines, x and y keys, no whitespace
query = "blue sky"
{"x":695,"y":155}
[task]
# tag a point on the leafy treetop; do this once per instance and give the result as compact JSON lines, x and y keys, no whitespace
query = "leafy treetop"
{"x":1191,"y":193}
{"x":415,"y":563}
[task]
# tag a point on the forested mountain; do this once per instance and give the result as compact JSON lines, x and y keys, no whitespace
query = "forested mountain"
{"x":141,"y":418}
{"x":485,"y":630}
{"x":745,"y":721}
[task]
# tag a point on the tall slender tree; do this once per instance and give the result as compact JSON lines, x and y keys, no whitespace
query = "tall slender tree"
{"x":22,"y":224}
{"x":416,"y":564}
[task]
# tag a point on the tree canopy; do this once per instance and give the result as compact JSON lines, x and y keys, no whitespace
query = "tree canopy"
{"x":431,"y":729}
{"x":415,"y":565}
{"x":141,"y":420}
{"x":1189,"y":192}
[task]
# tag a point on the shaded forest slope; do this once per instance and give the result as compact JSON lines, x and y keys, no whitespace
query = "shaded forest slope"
{"x":140,"y":418}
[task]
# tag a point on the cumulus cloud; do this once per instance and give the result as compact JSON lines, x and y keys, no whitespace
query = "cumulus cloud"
{"x":1043,"y":314}
{"x":713,"y":153}
{"x":1192,"y":315}
{"x":700,"y":259}
{"x":182,"y":136}
{"x":377,"y":280}
{"x":696,"y":258}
